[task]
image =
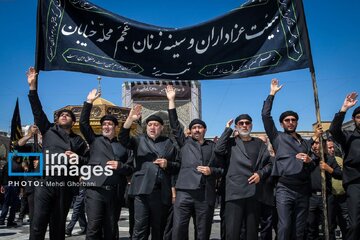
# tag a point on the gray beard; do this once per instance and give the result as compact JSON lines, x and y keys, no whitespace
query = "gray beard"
{"x":242,"y":133}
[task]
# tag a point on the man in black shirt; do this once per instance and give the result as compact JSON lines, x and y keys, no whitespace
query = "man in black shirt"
{"x":105,"y":151}
{"x":11,"y":192}
{"x":195,"y":185}
{"x":339,"y":207}
{"x":332,"y":170}
{"x":350,"y":143}
{"x":27,"y":200}
{"x":292,"y":167}
{"x":247,"y":167}
{"x":53,"y":196}
{"x":154,"y":161}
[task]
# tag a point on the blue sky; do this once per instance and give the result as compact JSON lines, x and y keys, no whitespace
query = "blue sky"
{"x":334,"y":34}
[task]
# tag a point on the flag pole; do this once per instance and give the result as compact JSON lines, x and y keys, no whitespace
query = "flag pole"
{"x":302,"y":20}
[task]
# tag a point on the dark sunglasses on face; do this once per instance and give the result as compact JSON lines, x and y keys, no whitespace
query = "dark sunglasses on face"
{"x":290,"y":120}
{"x":244,"y":123}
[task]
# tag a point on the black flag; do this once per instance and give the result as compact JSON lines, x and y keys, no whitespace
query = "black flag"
{"x":16,"y":132}
{"x":257,"y":38}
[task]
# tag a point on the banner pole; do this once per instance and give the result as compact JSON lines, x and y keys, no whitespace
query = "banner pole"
{"x":302,"y":19}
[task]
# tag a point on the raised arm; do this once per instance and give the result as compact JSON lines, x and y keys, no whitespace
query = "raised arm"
{"x":124,"y":135}
{"x":221,"y":147}
{"x":336,"y":124}
{"x":173,"y":118}
{"x":85,"y":127}
{"x":268,"y":121}
{"x":40,"y":117}
{"x":32,"y":131}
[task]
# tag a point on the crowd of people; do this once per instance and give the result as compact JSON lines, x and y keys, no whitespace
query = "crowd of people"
{"x":268,"y":187}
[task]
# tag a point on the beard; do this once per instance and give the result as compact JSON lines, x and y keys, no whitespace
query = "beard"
{"x":108,"y":134}
{"x":244,"y":133}
{"x":65,"y":126}
{"x":357,"y":126}
{"x":289,"y":131}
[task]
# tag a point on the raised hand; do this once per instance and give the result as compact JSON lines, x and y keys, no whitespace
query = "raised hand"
{"x":274,"y":86}
{"x":318,"y":131}
{"x":135,"y":112}
{"x":170,"y":92}
{"x":350,"y":101}
{"x":33,"y":130}
{"x":31,"y":77}
{"x":93,"y":95}
{"x":134,"y":115}
{"x":228,"y":124}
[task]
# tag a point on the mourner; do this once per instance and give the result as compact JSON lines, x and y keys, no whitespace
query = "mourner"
{"x":350,"y":143}
{"x":247,"y":166}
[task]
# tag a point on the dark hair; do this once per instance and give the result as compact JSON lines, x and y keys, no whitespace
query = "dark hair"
{"x":67,"y":111}
{"x":155,"y":118}
{"x":197,"y":121}
{"x":288,"y":113}
{"x":243,"y":116}
{"x":109,"y":117}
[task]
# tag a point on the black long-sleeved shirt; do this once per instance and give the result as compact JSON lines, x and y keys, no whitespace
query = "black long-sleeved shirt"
{"x":103,"y":149}
{"x":55,"y":139}
{"x":291,"y":172}
{"x":193,"y":154}
{"x":350,"y":143}
{"x":316,"y":173}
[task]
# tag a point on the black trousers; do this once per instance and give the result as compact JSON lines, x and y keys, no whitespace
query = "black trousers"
{"x":11,"y":200}
{"x":130,"y":204}
{"x":24,"y":208}
{"x":222,"y":217}
{"x":266,"y":222}
{"x":353,"y":202}
{"x":169,"y":224}
{"x":340,"y":214}
{"x":292,"y":208}
{"x":51,"y":205}
{"x":187,"y":204}
{"x":101,"y":208}
{"x":78,"y":211}
{"x":242,"y":211}
{"x":316,"y":217}
{"x":30,"y":198}
{"x":150,"y":213}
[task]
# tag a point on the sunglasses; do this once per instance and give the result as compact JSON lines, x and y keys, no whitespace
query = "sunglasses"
{"x":244,"y":123}
{"x":290,"y":120}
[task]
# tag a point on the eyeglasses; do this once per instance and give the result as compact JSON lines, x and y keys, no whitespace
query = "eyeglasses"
{"x":290,"y":120}
{"x":243,"y":123}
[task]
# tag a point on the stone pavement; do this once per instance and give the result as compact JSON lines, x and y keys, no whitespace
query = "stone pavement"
{"x":22,"y":232}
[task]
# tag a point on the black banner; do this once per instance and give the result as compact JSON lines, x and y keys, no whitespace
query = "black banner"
{"x":16,"y":131}
{"x":259,"y":37}
{"x":151,"y":90}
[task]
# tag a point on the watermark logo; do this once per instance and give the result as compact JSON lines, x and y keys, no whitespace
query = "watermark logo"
{"x":56,"y":165}
{"x":36,"y":173}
